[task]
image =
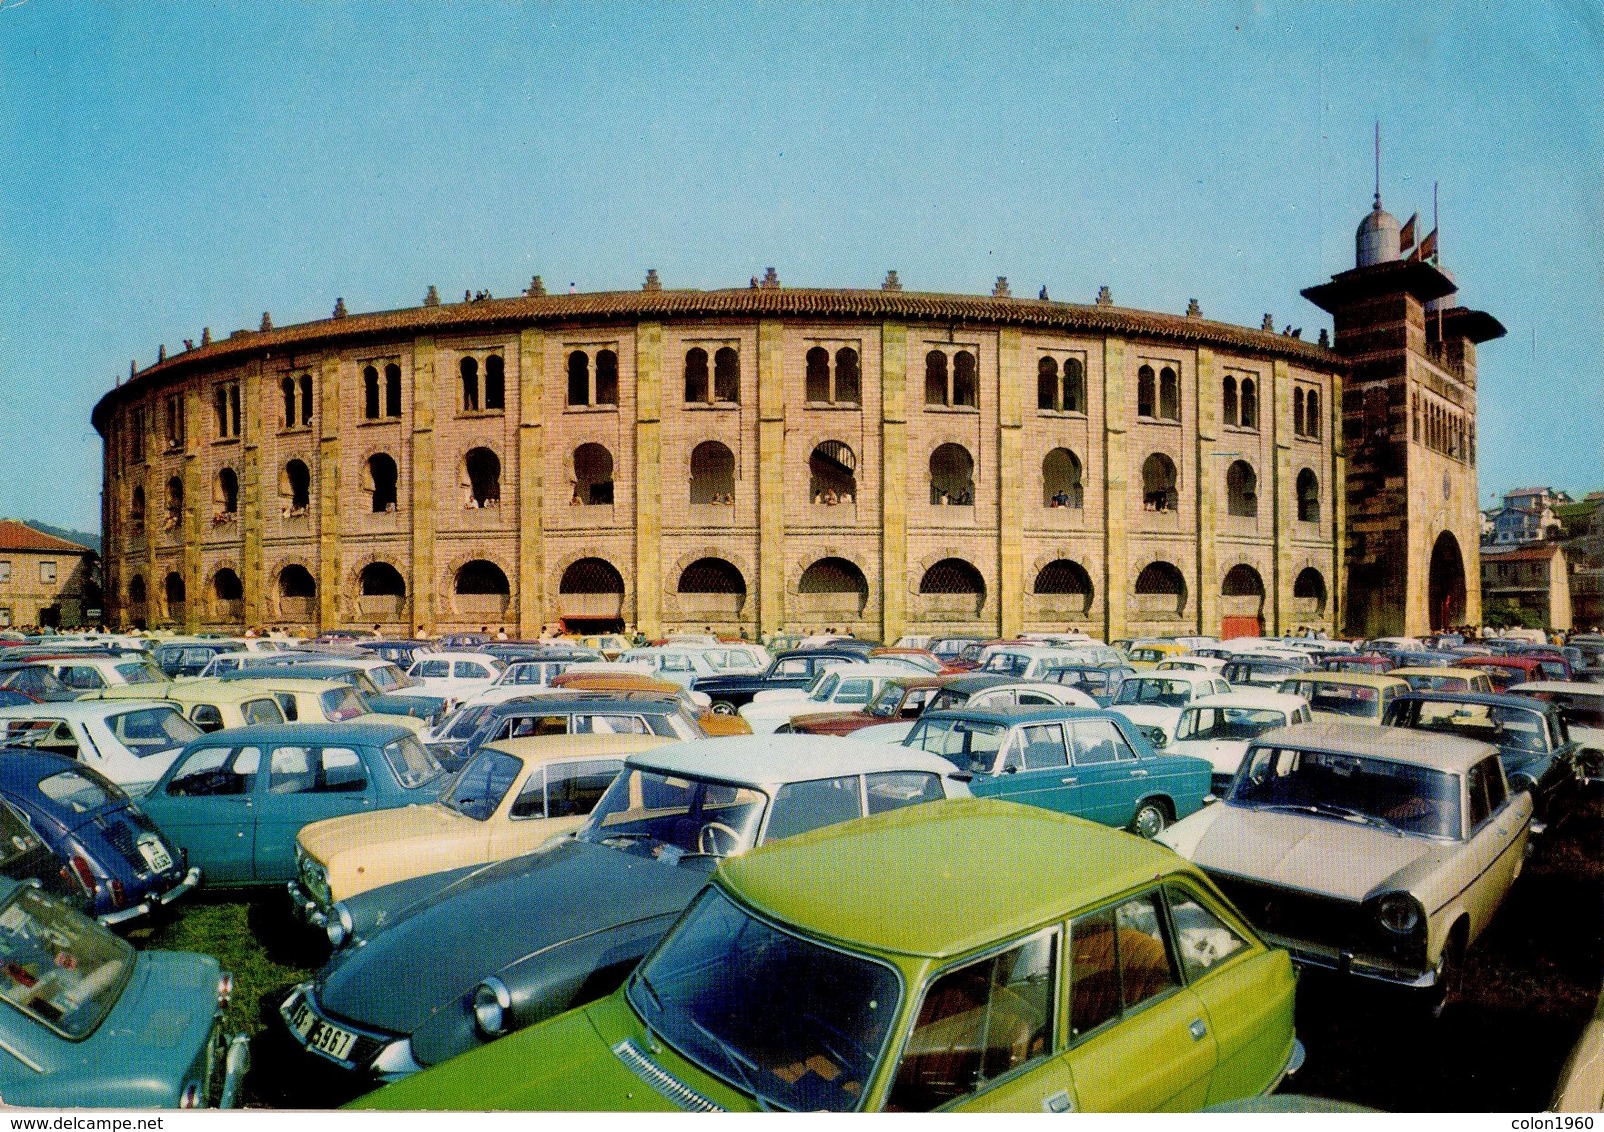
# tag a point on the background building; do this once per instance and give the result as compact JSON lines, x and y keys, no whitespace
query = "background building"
{"x":1531,"y":581}
{"x":1528,"y":514}
{"x":44,"y":580}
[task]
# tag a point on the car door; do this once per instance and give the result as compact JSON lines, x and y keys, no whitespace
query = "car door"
{"x":553,"y":799}
{"x":306,"y":783}
{"x":1035,"y":770}
{"x":1108,"y":776}
{"x":208,"y":806}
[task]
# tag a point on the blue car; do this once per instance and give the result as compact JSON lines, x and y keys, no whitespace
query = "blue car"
{"x":121,"y":863}
{"x":1093,"y":764}
{"x":235,"y":799}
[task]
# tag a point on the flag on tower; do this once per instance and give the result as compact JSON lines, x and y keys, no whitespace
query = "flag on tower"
{"x":1428,"y":246}
{"x":1406,"y":236}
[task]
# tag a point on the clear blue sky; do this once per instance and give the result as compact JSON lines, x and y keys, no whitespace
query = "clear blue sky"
{"x":165,"y":167}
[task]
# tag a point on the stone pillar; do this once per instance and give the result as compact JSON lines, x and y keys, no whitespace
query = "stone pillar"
{"x":649,"y":478}
{"x":1209,"y":470}
{"x":1336,"y":611}
{"x":420,"y":586}
{"x":194,"y":494}
{"x":770,"y":477}
{"x":330,"y":585}
{"x":1283,"y":482}
{"x":1117,"y":582}
{"x":251,"y":490}
{"x":1010,"y":482}
{"x":893,"y":481}
{"x":531,"y":483}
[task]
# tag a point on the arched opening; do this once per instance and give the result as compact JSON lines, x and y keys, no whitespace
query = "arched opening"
{"x":1250,"y":403}
{"x":590,"y":597}
{"x":469,"y":368}
{"x":1297,"y":411}
{"x":379,"y":478}
{"x":848,"y":376}
{"x":579,"y":378}
{"x":1159,"y":484}
{"x":136,"y":600}
{"x":495,"y":383}
{"x":965,"y":380}
{"x":1241,"y":490}
{"x":1308,"y":497}
{"x":712,"y":474}
{"x":173,"y":590}
{"x":1169,"y":395}
{"x":727,"y":375}
{"x":1446,"y":585}
{"x":1061,"y":480}
{"x":818,"y":374}
{"x":1311,"y":415}
{"x":696,"y":384}
{"x":370,"y":393}
{"x":833,"y":469}
{"x":221,"y":409}
{"x":136,"y":506}
{"x":225,"y":492}
{"x":306,"y":399}
{"x":957,"y":587}
{"x":832,"y":588}
{"x":482,"y":590}
{"x":294,"y":489}
{"x":1309,"y":593}
{"x":952,"y":476}
{"x":1066,"y":585}
{"x":1074,"y":387}
{"x":593,"y":476}
{"x":392,"y":390}
{"x":935,"y":378}
{"x":383,"y":592}
{"x":1146,"y":392}
{"x":1241,"y":603}
{"x":287,"y":386}
{"x":482,"y":469}
{"x":1161,"y":590}
{"x":1228,"y":407}
{"x":228,"y":595}
{"x":606,"y":377}
{"x":297,"y":592}
{"x":1047,"y":384}
{"x":712,"y":588}
{"x":175,"y":503}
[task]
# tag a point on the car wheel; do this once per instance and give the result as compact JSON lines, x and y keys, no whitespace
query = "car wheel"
{"x":1149,"y":820}
{"x":1448,"y":978}
{"x":723,"y":707}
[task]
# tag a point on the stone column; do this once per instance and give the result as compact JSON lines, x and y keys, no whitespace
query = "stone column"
{"x":1336,"y":611}
{"x":1209,"y":469}
{"x":770,"y":476}
{"x":531,"y":483}
{"x":1010,"y":482}
{"x":1282,"y":481}
{"x":893,"y":481}
{"x":1117,"y":583}
{"x":649,"y":478}
{"x":250,"y":494}
{"x":330,"y":585}
{"x":420,"y":586}
{"x":190,"y":528}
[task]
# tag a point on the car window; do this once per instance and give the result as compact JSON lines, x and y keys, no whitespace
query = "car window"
{"x":140,"y":672}
{"x":609,"y":724}
{"x":971,"y":744}
{"x":206,"y":717}
{"x":480,"y":786}
{"x":801,"y":806}
{"x":854,"y":692}
{"x":469,"y":670}
{"x":1202,"y":939}
{"x":42,"y":735}
{"x":668,"y":817}
{"x":148,"y":731}
{"x":1043,"y":746}
{"x":62,"y":969}
{"x":429,"y":669}
{"x":261,"y":711}
{"x":893,"y":789}
{"x":1036,"y":699}
{"x":794,"y":666}
{"x":216,"y":771}
{"x":80,"y":676}
{"x":977,"y":1023}
{"x":313,"y":770}
{"x":1476,"y":788}
{"x":519,"y":726}
{"x":1118,"y":960}
{"x":75,"y":790}
{"x":341,"y":704}
{"x":411,"y":762}
{"x":1099,"y":741}
{"x":569,"y":789}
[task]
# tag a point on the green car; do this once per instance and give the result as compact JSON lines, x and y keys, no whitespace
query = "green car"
{"x":887,"y":964}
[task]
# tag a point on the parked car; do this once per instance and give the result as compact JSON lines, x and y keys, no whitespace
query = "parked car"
{"x":210,"y":705}
{"x":1093,"y":764}
{"x":235,"y":800}
{"x":1372,"y":662}
{"x":1154,"y":701}
{"x":1263,"y":671}
{"x":1351,"y":697}
{"x":95,"y":1024}
{"x":1147,"y":654}
{"x":1029,"y":661}
{"x":695,"y":703}
{"x":123,"y":865}
{"x":85,"y":673}
{"x":1506,"y":671}
{"x":35,"y":681}
{"x":1099,"y":681}
{"x":796,"y":668}
{"x":1031,"y":693}
{"x":510,"y":799}
{"x":1377,"y":853}
{"x":400,"y":653}
{"x":1191,"y":662}
{"x":1538,"y":754}
{"x":388,"y":698}
{"x":586,"y":713}
{"x":1581,"y":706}
{"x":455,"y":675}
{"x":309,"y":700}
{"x":1220,"y":728}
{"x":584,"y":910}
{"x":188,"y":658}
{"x":855,"y":969}
{"x":131,"y":742}
{"x":1443,"y":678}
{"x":899,"y":700}
{"x":833,"y":691}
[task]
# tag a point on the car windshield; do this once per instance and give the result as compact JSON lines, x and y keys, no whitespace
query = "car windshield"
{"x":537,"y":672}
{"x":668,"y":817}
{"x":886,"y":701}
{"x":466,"y":721}
{"x":1150,"y":690}
{"x":1401,"y":796}
{"x":341,"y":704}
{"x":1508,"y":727}
{"x":58,"y":966}
{"x":1006,"y":664}
{"x":971,"y":745}
{"x":150,"y":731}
{"x":1239,"y":723}
{"x":75,"y":790}
{"x":1336,"y":699}
{"x":480,"y":786}
{"x":389,"y":678}
{"x":140,"y":672}
{"x":412,"y":763}
{"x":824,"y":687}
{"x":797,"y":1024}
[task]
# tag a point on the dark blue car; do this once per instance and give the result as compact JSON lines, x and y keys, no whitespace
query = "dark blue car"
{"x":111,"y":851}
{"x":794,"y":669}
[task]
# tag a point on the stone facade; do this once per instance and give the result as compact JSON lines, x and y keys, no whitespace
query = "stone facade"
{"x":878,"y":461}
{"x":44,"y":580}
{"x":1535,"y":578}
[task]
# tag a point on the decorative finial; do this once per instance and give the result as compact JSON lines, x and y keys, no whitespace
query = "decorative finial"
{"x":206,"y":336}
{"x":267,"y":321}
{"x":189,"y":344}
{"x":1043,"y":295}
{"x":1193,"y":310}
{"x":771,"y":279}
{"x":431,"y":298}
{"x":1268,"y":323}
{"x":892,"y":283}
{"x":1000,"y":291}
{"x":1105,"y":297}
{"x":339,"y":308}
{"x":1325,"y":339}
{"x":133,"y":368}
{"x":161,"y":353}
{"x":537,"y":287}
{"x":652,"y":282}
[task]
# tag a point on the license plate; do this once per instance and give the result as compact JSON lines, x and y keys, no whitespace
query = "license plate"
{"x":302,"y":1019}
{"x":331,"y":1040}
{"x":156,"y":855}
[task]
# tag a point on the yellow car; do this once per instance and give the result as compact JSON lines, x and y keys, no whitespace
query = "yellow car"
{"x":1148,"y":654}
{"x":210,"y":705}
{"x":325,"y":701}
{"x":1445,"y":679}
{"x":511,"y":798}
{"x":1347,"y":697}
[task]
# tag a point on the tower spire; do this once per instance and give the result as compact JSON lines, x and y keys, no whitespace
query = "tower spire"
{"x":1378,"y":163}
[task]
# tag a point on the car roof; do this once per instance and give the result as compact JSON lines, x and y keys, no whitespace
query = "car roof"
{"x":550,"y":748}
{"x":1395,"y":744}
{"x":917,"y":861}
{"x":1489,"y":699}
{"x":1185,"y":675}
{"x":1571,"y":687}
{"x":459,"y":654}
{"x":184,"y":691}
{"x":278,"y":734}
{"x":1432,"y":670}
{"x":81,"y":709}
{"x":772,"y":760}
{"x":563,"y":702}
{"x":1364,"y":679}
{"x":878,"y":671}
{"x":1012,"y":715}
{"x":1281,"y":701}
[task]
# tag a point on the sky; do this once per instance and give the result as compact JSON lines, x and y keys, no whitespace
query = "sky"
{"x":167,"y":167}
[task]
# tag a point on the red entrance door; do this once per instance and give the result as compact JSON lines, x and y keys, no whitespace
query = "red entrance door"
{"x":1241,"y":627}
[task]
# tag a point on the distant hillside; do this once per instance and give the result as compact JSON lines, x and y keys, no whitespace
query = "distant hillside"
{"x":91,"y":541}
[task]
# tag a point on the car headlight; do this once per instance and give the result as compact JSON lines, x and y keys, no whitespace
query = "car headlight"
{"x":491,"y":1002}
{"x":338,"y":927}
{"x":1398,"y":913}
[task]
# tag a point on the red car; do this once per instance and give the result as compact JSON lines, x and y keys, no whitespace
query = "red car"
{"x":1506,"y":671}
{"x":900,"y":699}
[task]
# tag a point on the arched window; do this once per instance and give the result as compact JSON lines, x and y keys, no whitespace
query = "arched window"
{"x":1162,"y":588}
{"x":1309,"y":590}
{"x":220,"y":408}
{"x":593,"y":475}
{"x":848,"y":376}
{"x":175,"y":501}
{"x":495,"y":383}
{"x":834,"y":576}
{"x":727,"y":375}
{"x":482,"y":577}
{"x":1146,"y":392}
{"x":379,"y":481}
{"x":1047,"y":384}
{"x":1242,"y":580}
{"x":469,"y":368}
{"x":306,"y":398}
{"x":711,"y":576}
{"x":935,"y":378}
{"x":380,"y":579}
{"x":833,"y":468}
{"x":370,"y":393}
{"x":1297,"y":411}
{"x":136,"y":590}
{"x":136,"y":506}
{"x":579,"y":378}
{"x":712,"y":473}
{"x":952,"y":476}
{"x":296,"y":582}
{"x":965,"y":380}
{"x":225,"y":492}
{"x":288,"y":388}
{"x":1308,"y":497}
{"x":1065,"y":578}
{"x":1061,"y":479}
{"x":1074,"y":387}
{"x":1159,"y":484}
{"x":1241,"y":490}
{"x":606,"y":377}
{"x":818,"y":374}
{"x":295,"y":487}
{"x":954,"y":576}
{"x":482,"y":469}
{"x":226,"y":586}
{"x":696,"y":386}
{"x":1250,"y":403}
{"x":591,"y":576}
{"x":392,"y":390}
{"x":1228,"y":400}
{"x":1169,"y":395}
{"x":174,"y":588}
{"x":1311,"y":415}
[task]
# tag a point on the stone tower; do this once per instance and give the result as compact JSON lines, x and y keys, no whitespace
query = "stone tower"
{"x":1409,"y":425}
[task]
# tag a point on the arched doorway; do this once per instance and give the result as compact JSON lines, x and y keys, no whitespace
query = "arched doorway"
{"x":1241,"y":603}
{"x":1445,"y":589}
{"x":482,"y":590}
{"x":590,"y":597}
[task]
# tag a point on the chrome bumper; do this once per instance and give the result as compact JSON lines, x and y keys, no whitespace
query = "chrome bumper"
{"x":1295,"y":1060}
{"x":309,"y":911}
{"x":112,"y":919}
{"x":236,"y":1064}
{"x":1347,"y":963}
{"x":190,"y":882}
